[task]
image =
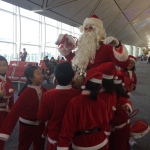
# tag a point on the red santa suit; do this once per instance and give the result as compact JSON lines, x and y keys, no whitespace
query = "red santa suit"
{"x":25,"y":109}
{"x":119,"y":138}
{"x":52,"y":109}
{"x":84,"y":123}
{"x":7,"y":101}
{"x":111,"y":100}
{"x":130,"y":79}
{"x":107,"y":53}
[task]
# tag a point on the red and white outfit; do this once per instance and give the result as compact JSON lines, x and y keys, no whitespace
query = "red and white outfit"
{"x":7,"y":101}
{"x":111,"y":100}
{"x":130,"y":79}
{"x":119,"y":138}
{"x":25,"y":109}
{"x":52,"y":109}
{"x":105,"y":54}
{"x":82,"y":115}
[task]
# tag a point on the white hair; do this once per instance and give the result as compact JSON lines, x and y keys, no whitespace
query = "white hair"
{"x":87,"y":45}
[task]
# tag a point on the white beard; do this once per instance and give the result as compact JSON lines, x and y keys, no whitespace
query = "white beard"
{"x":87,"y":45}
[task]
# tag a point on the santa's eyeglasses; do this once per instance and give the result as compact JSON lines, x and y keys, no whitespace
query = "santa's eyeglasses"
{"x":88,"y":28}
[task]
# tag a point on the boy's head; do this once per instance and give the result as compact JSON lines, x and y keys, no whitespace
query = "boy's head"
{"x":3,"y":65}
{"x":64,"y":73}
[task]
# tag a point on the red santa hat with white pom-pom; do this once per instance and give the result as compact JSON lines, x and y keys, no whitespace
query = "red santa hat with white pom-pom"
{"x":92,"y":75}
{"x":108,"y":70}
{"x":132,"y":58}
{"x":92,"y":20}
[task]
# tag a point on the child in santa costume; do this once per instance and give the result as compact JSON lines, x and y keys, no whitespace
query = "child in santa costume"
{"x":93,"y":47}
{"x":120,"y":135}
{"x":130,"y":78}
{"x":25,"y":109}
{"x":107,"y":93}
{"x":55,"y":101}
{"x":86,"y":118}
{"x":6,"y":93}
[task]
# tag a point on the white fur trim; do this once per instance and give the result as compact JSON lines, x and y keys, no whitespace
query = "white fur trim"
{"x":130,"y":107}
{"x":117,"y":81}
{"x":63,"y":87}
{"x":107,"y":133}
{"x":93,"y":21}
{"x":123,"y":56}
{"x":52,"y":141}
{"x":107,"y":76}
{"x":139,"y":135}
{"x":11,"y":90}
{"x":4,"y":137}
{"x":83,"y":87}
{"x":113,"y":108}
{"x":62,"y":148}
{"x":121,"y":126}
{"x":132,"y":59}
{"x":29,"y":121}
{"x":95,"y":80}
{"x":91,"y":148}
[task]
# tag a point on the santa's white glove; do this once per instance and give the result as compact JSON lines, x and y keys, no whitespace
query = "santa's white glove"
{"x":111,"y":41}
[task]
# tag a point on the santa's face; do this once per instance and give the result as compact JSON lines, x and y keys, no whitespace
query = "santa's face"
{"x":88,"y":28}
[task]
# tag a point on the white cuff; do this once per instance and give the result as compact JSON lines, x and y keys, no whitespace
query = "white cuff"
{"x":123,"y":56}
{"x":4,"y":137}
{"x":62,"y":148}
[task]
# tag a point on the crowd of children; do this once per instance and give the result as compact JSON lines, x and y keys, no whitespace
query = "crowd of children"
{"x":92,"y":118}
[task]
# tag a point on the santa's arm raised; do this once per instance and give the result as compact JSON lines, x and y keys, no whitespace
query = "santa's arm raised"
{"x":120,"y":53}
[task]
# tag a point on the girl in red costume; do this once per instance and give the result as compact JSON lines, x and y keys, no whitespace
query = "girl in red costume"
{"x":120,"y":135}
{"x":6,"y":93}
{"x":25,"y":109}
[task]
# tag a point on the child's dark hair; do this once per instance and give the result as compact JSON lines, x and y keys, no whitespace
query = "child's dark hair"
{"x":64,"y":73}
{"x":126,"y":69}
{"x":120,"y":91}
{"x":29,"y":73}
{"x":94,"y":88}
{"x":108,"y":85}
{"x":3,"y":58}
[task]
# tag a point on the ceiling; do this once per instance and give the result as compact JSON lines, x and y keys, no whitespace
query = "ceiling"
{"x":127,"y":20}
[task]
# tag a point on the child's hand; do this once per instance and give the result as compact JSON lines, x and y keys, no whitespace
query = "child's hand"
{"x":2,"y":93}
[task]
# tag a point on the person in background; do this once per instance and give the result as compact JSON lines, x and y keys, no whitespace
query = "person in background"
{"x":53,"y":64}
{"x":55,"y":101}
{"x":62,"y":60}
{"x":6,"y":93}
{"x":46,"y":60}
{"x":24,"y":55}
{"x":25,"y":109}
{"x":21,"y":55}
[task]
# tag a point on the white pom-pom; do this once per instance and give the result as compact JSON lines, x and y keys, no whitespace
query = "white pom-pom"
{"x":81,"y":29}
{"x":115,"y":77}
{"x":11,"y":90}
{"x":113,"y":108}
{"x":83,"y":87}
{"x":123,"y":84}
{"x":129,"y":94}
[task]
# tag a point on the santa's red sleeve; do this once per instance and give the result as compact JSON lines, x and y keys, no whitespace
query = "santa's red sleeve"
{"x":70,"y":57}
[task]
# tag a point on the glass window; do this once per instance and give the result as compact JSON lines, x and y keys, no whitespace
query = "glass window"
{"x":6,"y":26}
{"x":6,"y":6}
{"x":51,"y":21}
{"x":66,"y":26}
{"x":6,"y":50}
{"x":30,"y":33}
{"x":33,"y":53}
{"x":29,"y":14}
{"x":76,"y":30}
{"x":66,"y":32}
{"x":51,"y":36}
{"x":51,"y":52}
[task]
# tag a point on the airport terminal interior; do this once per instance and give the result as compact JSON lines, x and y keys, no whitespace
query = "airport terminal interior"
{"x":34,"y":25}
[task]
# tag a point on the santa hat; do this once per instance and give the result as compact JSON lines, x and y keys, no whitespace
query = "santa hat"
{"x":132,"y":58}
{"x":108,"y":70}
{"x":93,"y":20}
{"x":119,"y":78}
{"x":139,"y":128}
{"x":93,"y":75}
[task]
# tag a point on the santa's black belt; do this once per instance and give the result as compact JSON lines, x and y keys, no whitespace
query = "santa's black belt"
{"x":94,"y":130}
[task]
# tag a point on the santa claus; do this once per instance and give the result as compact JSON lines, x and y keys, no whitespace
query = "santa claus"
{"x":93,"y":47}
